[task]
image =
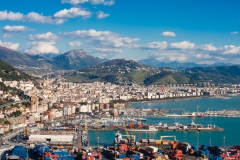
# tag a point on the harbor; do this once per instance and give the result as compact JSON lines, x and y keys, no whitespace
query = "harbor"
{"x":125,"y":147}
{"x":212,"y":129}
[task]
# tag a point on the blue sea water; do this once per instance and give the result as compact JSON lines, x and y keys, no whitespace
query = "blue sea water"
{"x":230,"y":135}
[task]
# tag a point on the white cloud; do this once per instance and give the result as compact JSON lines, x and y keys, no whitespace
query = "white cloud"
{"x":109,"y":3}
{"x":203,"y":56}
{"x":183,"y":45}
{"x":154,"y":46}
{"x":42,"y":47}
{"x":168,"y":34}
{"x":13,"y":46}
{"x":168,"y":56}
{"x":230,"y":49}
{"x":75,"y":44}
{"x":74,"y":2}
{"x":108,"y":50}
{"x":234,"y":32}
{"x":48,"y":37}
{"x":72,"y":13}
{"x":94,"y":2}
{"x":8,"y":28}
{"x":208,"y":47}
{"x":101,"y":39}
{"x":101,"y":15}
{"x":8,"y":35}
{"x":38,"y":18}
{"x":30,"y":17}
{"x":12,"y":16}
{"x":42,"y":43}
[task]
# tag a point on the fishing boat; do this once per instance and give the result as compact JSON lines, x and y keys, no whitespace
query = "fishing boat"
{"x":150,"y":128}
{"x":201,"y":115}
{"x":192,"y":115}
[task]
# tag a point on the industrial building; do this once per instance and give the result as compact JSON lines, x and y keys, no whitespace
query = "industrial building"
{"x":51,"y":138}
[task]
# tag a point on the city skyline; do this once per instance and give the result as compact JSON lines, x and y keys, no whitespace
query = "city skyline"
{"x":186,"y":31}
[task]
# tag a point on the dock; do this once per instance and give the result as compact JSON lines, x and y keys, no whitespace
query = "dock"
{"x":165,"y":129}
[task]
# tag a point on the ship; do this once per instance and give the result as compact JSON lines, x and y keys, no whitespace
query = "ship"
{"x":150,"y":128}
{"x":190,"y":127}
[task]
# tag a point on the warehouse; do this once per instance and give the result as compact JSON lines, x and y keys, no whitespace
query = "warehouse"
{"x":51,"y":138}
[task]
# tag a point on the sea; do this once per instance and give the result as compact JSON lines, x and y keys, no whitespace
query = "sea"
{"x":229,"y":137}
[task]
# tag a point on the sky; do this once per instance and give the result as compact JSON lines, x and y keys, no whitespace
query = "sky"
{"x":198,"y":31}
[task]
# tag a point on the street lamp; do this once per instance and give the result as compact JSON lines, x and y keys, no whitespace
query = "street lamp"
{"x":224,"y":143}
{"x":98,"y":141}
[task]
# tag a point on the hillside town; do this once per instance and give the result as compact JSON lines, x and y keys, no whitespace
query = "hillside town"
{"x":55,"y":99}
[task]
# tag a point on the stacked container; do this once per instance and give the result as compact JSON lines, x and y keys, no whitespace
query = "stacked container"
{"x":151,"y":142}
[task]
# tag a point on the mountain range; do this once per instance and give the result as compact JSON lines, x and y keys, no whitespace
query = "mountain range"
{"x":86,"y":68}
{"x":78,"y":59}
{"x":121,"y":71}
{"x":71,"y":60}
{"x":118,"y":71}
{"x":177,"y":65}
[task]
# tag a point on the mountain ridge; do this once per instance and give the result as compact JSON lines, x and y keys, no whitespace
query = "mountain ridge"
{"x":76,"y":59}
{"x":177,"y":65}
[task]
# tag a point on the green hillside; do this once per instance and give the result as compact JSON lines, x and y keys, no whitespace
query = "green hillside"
{"x":7,"y":72}
{"x":174,"y":78}
{"x":217,"y":75}
{"x":118,"y":71}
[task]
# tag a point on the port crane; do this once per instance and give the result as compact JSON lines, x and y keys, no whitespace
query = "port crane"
{"x":197,"y":108}
{"x":130,"y":137}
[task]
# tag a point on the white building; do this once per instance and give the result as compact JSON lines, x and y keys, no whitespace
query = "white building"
{"x":51,"y":138}
{"x":85,"y":108}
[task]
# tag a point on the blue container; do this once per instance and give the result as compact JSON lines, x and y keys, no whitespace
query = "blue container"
{"x":19,"y":151}
{"x":160,"y":151}
{"x":184,"y":151}
{"x":194,"y":148}
{"x":205,"y":147}
{"x":215,"y":158}
{"x":122,"y":156}
{"x":135,"y":157}
{"x":208,"y":155}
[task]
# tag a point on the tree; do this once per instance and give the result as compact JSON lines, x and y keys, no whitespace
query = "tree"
{"x":16,"y":113}
{"x":7,"y":122}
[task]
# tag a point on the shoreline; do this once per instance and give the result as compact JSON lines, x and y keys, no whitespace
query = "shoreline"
{"x":164,"y":100}
{"x":179,"y":98}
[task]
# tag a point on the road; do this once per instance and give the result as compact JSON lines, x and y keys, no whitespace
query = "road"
{"x":12,"y":103}
{"x":9,"y":145}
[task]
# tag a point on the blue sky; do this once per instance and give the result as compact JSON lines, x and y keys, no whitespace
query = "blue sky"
{"x":185,"y":31}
